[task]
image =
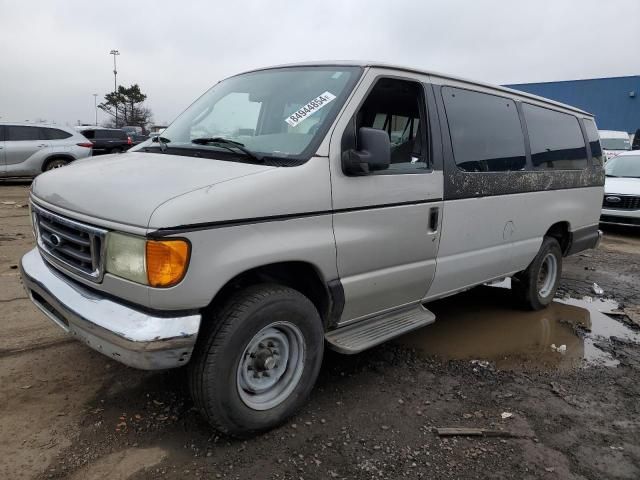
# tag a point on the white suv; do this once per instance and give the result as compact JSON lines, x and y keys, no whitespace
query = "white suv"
{"x":27,"y":150}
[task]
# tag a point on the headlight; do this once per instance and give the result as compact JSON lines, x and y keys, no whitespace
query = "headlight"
{"x":125,"y":257}
{"x":158,"y":263}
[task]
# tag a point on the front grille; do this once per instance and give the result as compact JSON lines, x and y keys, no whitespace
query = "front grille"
{"x":622,"y":202}
{"x":69,"y":244}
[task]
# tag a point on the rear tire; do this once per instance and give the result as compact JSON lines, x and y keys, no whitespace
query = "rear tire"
{"x":535,"y":287}
{"x":56,"y":163}
{"x":257,"y":359}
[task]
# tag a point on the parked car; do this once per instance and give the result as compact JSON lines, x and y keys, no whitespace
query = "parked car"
{"x":137,"y":139}
{"x":135,"y":134}
{"x":132,"y":130}
{"x":27,"y":150}
{"x":614,"y":143}
{"x":107,"y":140}
{"x":242,"y":251}
{"x":621,"y":204}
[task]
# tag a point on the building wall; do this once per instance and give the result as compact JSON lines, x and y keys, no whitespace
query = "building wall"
{"x":608,"y":99}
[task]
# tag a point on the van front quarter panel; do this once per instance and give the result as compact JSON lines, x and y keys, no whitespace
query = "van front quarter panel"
{"x":278,"y":216}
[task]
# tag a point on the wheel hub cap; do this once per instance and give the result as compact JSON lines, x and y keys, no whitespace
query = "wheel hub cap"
{"x":547,"y":275}
{"x":271,"y":366}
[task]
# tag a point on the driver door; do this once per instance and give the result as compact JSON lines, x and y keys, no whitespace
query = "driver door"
{"x":387,"y":222}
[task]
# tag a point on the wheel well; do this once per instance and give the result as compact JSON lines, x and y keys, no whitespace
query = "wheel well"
{"x":300,"y":276}
{"x":560,"y":231}
{"x":56,"y":157}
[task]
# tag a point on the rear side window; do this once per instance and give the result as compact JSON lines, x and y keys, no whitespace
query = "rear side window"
{"x":55,"y":134}
{"x":17,"y":133}
{"x":556,"y":139}
{"x":104,"y":134}
{"x":89,"y":134}
{"x":485,"y":131}
{"x":121,"y":135}
{"x":594,"y":140}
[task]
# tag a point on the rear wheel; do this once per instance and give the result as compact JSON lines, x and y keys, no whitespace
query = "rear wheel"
{"x":536,"y":286}
{"x":56,"y":163}
{"x":258,"y":361}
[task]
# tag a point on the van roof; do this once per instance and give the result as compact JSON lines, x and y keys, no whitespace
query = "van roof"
{"x":364,"y":64}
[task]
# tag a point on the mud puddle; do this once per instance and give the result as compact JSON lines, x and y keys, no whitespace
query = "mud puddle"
{"x":484,"y":324}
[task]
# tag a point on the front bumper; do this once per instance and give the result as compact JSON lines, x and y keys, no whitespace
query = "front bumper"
{"x":131,"y":336}
{"x":612,"y":216}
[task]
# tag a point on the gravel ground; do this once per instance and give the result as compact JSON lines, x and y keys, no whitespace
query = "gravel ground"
{"x":68,"y":412}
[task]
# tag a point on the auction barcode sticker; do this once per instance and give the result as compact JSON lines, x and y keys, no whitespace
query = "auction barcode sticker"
{"x":310,"y":108}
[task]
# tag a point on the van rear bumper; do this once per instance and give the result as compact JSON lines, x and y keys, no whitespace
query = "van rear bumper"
{"x":136,"y":338}
{"x":584,"y":239}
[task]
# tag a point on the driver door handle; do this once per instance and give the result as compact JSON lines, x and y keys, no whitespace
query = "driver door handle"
{"x":434,"y":214}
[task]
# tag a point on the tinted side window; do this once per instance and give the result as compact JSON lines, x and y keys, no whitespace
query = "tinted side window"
{"x":104,"y":134}
{"x":485,"y":131}
{"x":594,"y":140}
{"x":18,"y":133}
{"x":89,"y":134}
{"x":55,"y":134}
{"x":121,"y":135}
{"x":556,"y":139}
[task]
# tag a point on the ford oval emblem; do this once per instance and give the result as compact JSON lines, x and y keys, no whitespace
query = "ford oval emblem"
{"x":55,"y":240}
{"x":613,"y":199}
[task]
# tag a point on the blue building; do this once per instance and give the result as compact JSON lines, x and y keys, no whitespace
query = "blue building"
{"x":614,"y":101}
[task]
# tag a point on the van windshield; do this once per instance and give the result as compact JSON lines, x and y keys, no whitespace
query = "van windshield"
{"x":282,"y":112}
{"x":615,"y":143}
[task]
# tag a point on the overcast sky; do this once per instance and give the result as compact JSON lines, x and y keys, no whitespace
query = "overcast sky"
{"x":54,"y":54}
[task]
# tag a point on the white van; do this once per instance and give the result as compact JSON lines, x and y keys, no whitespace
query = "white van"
{"x":300,"y":206}
{"x":614,"y":143}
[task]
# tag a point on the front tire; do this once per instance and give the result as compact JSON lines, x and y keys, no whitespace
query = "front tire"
{"x":56,"y":163}
{"x":535,"y":287}
{"x":258,"y":361}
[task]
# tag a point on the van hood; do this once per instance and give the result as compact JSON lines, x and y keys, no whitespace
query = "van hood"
{"x":622,"y":186}
{"x":127,"y":188}
{"x":609,"y":154}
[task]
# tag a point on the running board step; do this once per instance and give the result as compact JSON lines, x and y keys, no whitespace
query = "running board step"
{"x":368,"y":333}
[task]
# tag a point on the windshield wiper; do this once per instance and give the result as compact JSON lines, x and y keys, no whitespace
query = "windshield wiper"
{"x":229,"y":145}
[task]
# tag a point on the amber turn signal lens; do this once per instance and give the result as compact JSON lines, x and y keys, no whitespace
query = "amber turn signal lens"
{"x":167,"y":261}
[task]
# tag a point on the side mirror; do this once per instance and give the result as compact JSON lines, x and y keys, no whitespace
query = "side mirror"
{"x":374,"y":153}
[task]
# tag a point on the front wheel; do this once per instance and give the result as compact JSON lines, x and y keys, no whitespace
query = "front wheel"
{"x":535,"y":287}
{"x":258,"y":361}
{"x":56,"y":163}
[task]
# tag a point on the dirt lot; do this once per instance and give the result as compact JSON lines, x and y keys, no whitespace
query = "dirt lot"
{"x":66,"y":411}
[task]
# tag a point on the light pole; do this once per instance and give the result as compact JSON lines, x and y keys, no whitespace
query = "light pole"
{"x":115,"y":53}
{"x":95,"y":106}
